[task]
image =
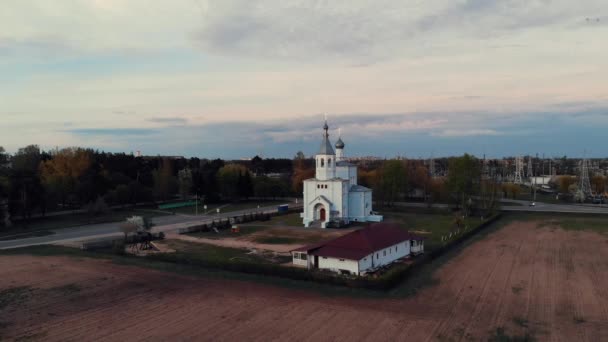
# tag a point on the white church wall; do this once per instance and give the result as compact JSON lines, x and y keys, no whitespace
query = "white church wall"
{"x":342,"y":172}
{"x":368,"y":203}
{"x":345,"y":208}
{"x":356,"y":205}
{"x":352,"y":175}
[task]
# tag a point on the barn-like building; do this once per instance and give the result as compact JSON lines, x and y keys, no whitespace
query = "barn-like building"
{"x":361,"y":251}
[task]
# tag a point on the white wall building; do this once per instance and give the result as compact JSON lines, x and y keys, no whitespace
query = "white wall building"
{"x":361,"y":251}
{"x":334,"y":195}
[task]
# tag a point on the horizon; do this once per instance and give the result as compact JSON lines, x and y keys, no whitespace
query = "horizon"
{"x":232,"y":79}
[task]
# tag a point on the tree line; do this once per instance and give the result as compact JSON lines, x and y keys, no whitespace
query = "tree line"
{"x":36,"y":182}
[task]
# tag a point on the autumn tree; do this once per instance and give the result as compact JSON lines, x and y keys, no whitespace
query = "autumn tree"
{"x":61,"y":173}
{"x":302,"y":170}
{"x":564,"y":183}
{"x":598,"y":184}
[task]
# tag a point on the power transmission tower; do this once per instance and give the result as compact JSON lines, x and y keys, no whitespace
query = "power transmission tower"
{"x":519,"y":170}
{"x":530,"y":167}
{"x":585,"y":183}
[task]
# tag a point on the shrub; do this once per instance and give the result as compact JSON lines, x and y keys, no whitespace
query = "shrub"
{"x":118,"y":247}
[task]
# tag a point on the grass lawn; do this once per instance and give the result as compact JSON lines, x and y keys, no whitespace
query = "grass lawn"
{"x":291,"y":220}
{"x":432,"y":226}
{"x":41,"y":224}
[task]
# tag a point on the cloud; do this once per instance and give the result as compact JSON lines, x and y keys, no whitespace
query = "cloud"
{"x":169,"y":120}
{"x":466,"y":133}
{"x":365,"y":30}
{"x":118,"y":132}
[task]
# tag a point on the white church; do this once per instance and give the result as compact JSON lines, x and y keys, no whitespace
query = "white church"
{"x":334,"y":195}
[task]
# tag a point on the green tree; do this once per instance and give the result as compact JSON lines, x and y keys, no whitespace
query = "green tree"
{"x":165,"y":183}
{"x":26,"y":191}
{"x":4,"y":188}
{"x":392,"y":181}
{"x":463,"y":182}
{"x":184,"y":181}
{"x":228,"y":180}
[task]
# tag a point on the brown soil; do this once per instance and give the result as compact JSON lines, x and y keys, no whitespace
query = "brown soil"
{"x":307,"y":236}
{"x":543,"y":281}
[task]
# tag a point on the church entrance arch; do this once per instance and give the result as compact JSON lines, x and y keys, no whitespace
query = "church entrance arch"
{"x":320,"y":212}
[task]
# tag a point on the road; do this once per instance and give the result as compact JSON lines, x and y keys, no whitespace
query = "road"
{"x":103,"y":230}
{"x":525,"y":207}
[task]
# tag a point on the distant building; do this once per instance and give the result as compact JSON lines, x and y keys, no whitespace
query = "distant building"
{"x":361,"y":251}
{"x":334,"y":195}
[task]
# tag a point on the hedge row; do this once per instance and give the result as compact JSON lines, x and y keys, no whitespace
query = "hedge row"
{"x":386,"y":281}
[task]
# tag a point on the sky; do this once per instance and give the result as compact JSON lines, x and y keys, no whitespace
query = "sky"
{"x":238,"y":78}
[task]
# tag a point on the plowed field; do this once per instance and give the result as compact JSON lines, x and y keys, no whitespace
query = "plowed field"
{"x":545,"y":282}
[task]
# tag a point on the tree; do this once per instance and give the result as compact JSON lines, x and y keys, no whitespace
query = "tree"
{"x":392,"y":181}
{"x":164,"y":182}
{"x":4,"y":188}
{"x":564,"y":183}
{"x":266,"y":187}
{"x":25,"y":193}
{"x":184,"y":181}
{"x":598,"y":184}
{"x":464,"y":175}
{"x":60,"y":174}
{"x":301,"y":172}
{"x":228,"y":180}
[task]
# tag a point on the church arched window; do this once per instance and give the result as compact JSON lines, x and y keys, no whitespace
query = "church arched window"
{"x":329,"y":162}
{"x":322,"y":162}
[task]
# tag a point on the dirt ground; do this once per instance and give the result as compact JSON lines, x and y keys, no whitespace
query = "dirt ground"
{"x":549,"y":283}
{"x":309,"y":236}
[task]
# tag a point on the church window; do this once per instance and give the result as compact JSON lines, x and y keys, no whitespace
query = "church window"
{"x":322,"y":162}
{"x":329,"y":162}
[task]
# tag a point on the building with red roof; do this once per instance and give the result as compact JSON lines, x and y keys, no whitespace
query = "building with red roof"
{"x":360,"y":251}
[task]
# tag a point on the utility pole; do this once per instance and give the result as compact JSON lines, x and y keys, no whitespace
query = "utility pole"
{"x":585,"y":184}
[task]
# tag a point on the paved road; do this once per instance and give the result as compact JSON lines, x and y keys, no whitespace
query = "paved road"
{"x":524,"y":206}
{"x":162,"y":224}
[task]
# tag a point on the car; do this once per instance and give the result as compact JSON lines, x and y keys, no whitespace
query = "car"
{"x":532,"y":204}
